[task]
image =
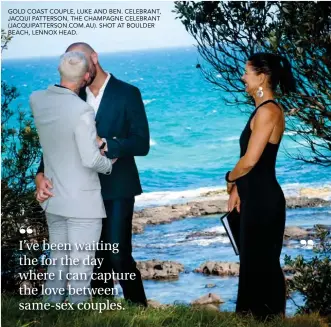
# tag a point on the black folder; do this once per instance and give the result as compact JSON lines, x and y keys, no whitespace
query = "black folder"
{"x":231,"y":223}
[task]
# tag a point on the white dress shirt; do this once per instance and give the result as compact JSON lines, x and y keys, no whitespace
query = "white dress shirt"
{"x":94,"y":101}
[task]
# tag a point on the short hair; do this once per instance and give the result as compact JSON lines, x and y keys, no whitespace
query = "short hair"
{"x":81,"y":46}
{"x":73,"y":66}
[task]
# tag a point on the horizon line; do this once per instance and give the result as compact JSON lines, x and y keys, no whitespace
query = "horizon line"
{"x":108,"y":52}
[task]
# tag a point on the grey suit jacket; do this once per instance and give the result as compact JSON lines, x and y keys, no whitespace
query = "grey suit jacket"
{"x":67,"y":134}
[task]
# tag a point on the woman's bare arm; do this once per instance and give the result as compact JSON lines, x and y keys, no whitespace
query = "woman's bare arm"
{"x":265,"y":121}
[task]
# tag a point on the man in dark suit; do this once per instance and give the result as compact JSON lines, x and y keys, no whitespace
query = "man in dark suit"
{"x":123,"y":133}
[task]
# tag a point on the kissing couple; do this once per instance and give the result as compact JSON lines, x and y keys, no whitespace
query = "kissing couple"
{"x":91,"y":126}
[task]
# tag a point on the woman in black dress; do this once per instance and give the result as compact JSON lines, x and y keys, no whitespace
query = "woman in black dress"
{"x":255,"y":192}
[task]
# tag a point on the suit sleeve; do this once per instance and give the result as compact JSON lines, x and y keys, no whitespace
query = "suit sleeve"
{"x":137,"y":141}
{"x":85,"y":137}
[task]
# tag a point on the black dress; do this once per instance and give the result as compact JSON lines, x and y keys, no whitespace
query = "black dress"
{"x":261,"y":289}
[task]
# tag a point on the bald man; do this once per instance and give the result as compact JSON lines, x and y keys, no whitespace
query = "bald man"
{"x":123,"y":133}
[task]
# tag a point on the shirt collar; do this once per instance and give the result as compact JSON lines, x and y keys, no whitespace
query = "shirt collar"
{"x":102,"y":88}
{"x":58,"y":85}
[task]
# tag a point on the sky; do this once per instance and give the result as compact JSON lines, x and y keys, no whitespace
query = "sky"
{"x":168,"y":32}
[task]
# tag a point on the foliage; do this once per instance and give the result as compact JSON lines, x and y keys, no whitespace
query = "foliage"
{"x":227,"y":33}
{"x":171,"y":316}
{"x":20,"y":151}
{"x":312,"y":277}
{"x":5,"y":39}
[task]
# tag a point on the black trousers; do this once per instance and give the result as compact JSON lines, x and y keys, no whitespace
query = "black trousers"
{"x":117,"y":228}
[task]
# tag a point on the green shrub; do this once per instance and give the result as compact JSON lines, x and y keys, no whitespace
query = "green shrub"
{"x":20,"y":150}
{"x":312,"y":277}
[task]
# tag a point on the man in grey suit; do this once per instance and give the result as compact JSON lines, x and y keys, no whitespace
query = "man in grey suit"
{"x":72,"y":161}
{"x":122,"y":125}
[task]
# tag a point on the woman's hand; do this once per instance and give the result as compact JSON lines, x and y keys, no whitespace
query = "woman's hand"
{"x":230,"y":187}
{"x":234,"y":200}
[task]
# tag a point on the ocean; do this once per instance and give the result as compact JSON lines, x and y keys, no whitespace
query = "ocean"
{"x":172,"y":242}
{"x":194,"y":135}
{"x":194,"y":141}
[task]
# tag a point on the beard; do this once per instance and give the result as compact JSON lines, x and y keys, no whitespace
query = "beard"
{"x":91,"y":79}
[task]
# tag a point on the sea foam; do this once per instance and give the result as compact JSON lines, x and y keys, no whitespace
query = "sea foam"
{"x":322,"y":191}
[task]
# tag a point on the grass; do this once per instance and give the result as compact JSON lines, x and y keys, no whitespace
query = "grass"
{"x":132,"y":316}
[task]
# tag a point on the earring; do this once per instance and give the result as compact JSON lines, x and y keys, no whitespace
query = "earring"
{"x":259,"y":92}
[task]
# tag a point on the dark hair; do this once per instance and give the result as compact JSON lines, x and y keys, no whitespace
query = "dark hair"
{"x":278,"y":69}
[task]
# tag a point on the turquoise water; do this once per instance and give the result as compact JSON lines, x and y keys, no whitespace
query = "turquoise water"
{"x":195,"y":136}
{"x":168,"y":242}
{"x":195,"y":140}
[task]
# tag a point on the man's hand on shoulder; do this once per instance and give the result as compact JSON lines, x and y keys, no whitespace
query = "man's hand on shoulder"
{"x":43,"y":185}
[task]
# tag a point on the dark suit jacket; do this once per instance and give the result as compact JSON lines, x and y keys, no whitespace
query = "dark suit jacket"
{"x":121,"y":120}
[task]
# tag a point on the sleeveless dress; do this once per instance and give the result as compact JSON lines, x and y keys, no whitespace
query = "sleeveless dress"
{"x":261,"y":289}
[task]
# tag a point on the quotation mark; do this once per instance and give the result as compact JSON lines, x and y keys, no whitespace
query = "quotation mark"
{"x":28,"y":230}
{"x":305,"y":243}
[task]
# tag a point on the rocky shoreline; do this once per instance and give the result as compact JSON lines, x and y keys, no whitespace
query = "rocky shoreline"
{"x":170,"y":270}
{"x":210,"y":204}
{"x":159,"y":270}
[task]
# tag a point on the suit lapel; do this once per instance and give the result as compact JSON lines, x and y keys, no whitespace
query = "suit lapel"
{"x":106,"y":98}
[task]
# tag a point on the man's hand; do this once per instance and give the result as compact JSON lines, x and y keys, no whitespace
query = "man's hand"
{"x":99,"y":140}
{"x":105,"y":149}
{"x":43,"y":185}
{"x":234,"y":200}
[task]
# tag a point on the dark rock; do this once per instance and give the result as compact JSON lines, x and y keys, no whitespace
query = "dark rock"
{"x":305,"y":202}
{"x":208,"y":299}
{"x":203,"y":234}
{"x":159,"y":270}
{"x":214,"y":202}
{"x":210,"y":286}
{"x":295,"y":232}
{"x":219,"y":268}
{"x":157,"y":305}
